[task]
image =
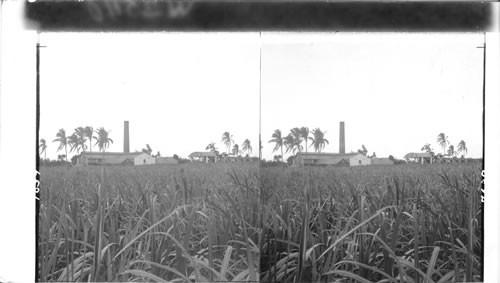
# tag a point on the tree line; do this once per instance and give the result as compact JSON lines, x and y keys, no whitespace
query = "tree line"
{"x":293,"y":141}
{"x":232,"y":147}
{"x":448,"y":148}
{"x":78,"y":141}
{"x":81,"y":140}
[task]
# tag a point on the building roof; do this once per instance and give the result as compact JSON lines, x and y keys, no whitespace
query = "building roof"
{"x":202,"y":154}
{"x":98,"y":153}
{"x":418,"y":155}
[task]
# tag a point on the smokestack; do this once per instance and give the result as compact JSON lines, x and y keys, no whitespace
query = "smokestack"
{"x":126,"y":141}
{"x":342,"y":138}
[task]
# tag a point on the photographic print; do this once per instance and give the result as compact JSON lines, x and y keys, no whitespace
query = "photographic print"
{"x":149,"y":169}
{"x":371,"y":170}
{"x":332,"y":208}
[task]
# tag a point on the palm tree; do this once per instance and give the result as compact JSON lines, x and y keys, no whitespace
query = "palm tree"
{"x":74,"y":143}
{"x":227,"y":139}
{"x":89,"y":132}
{"x":147,"y":150}
{"x":102,"y":139}
{"x":63,"y":141}
{"x":318,"y":140}
{"x":462,"y":147}
{"x":442,"y":140}
{"x":289,"y":143}
{"x":304,"y":134}
{"x":212,"y":148}
{"x":246,"y":147}
{"x":297,"y":138}
{"x":427,"y":148}
{"x":278,"y":141}
{"x":82,"y":138}
{"x":42,"y":147}
{"x":363,"y":150}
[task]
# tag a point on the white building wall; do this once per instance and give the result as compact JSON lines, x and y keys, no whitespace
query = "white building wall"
{"x":359,"y":160}
{"x":144,"y":159}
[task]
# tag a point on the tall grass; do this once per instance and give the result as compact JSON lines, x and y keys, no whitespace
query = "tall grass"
{"x":200,"y":223}
{"x":371,"y":224}
{"x":193,"y":223}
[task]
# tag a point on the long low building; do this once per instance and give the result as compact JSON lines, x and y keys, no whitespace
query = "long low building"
{"x":121,"y":158}
{"x":107,"y":158}
{"x":314,"y":158}
{"x":346,"y":159}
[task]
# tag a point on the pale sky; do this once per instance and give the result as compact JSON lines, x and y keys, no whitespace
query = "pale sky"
{"x":394,"y":91}
{"x":178,"y":91}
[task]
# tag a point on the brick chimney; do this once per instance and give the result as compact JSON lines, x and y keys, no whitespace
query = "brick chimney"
{"x":342,"y":138}
{"x":126,"y":140}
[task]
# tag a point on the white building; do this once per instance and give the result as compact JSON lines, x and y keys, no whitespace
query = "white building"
{"x":358,"y":159}
{"x":144,"y":159}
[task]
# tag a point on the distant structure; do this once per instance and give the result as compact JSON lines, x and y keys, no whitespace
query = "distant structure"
{"x":348,"y":159}
{"x":126,"y":138}
{"x":342,"y":138}
{"x":144,"y":159}
{"x":419,"y":157}
{"x":107,"y":158}
{"x":122,"y":158}
{"x":338,"y":159}
{"x":205,"y":157}
{"x":212,"y":157}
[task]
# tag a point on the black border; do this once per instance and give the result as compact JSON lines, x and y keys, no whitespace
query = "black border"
{"x":484,"y":157}
{"x":37,"y":162}
{"x":315,"y":15}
